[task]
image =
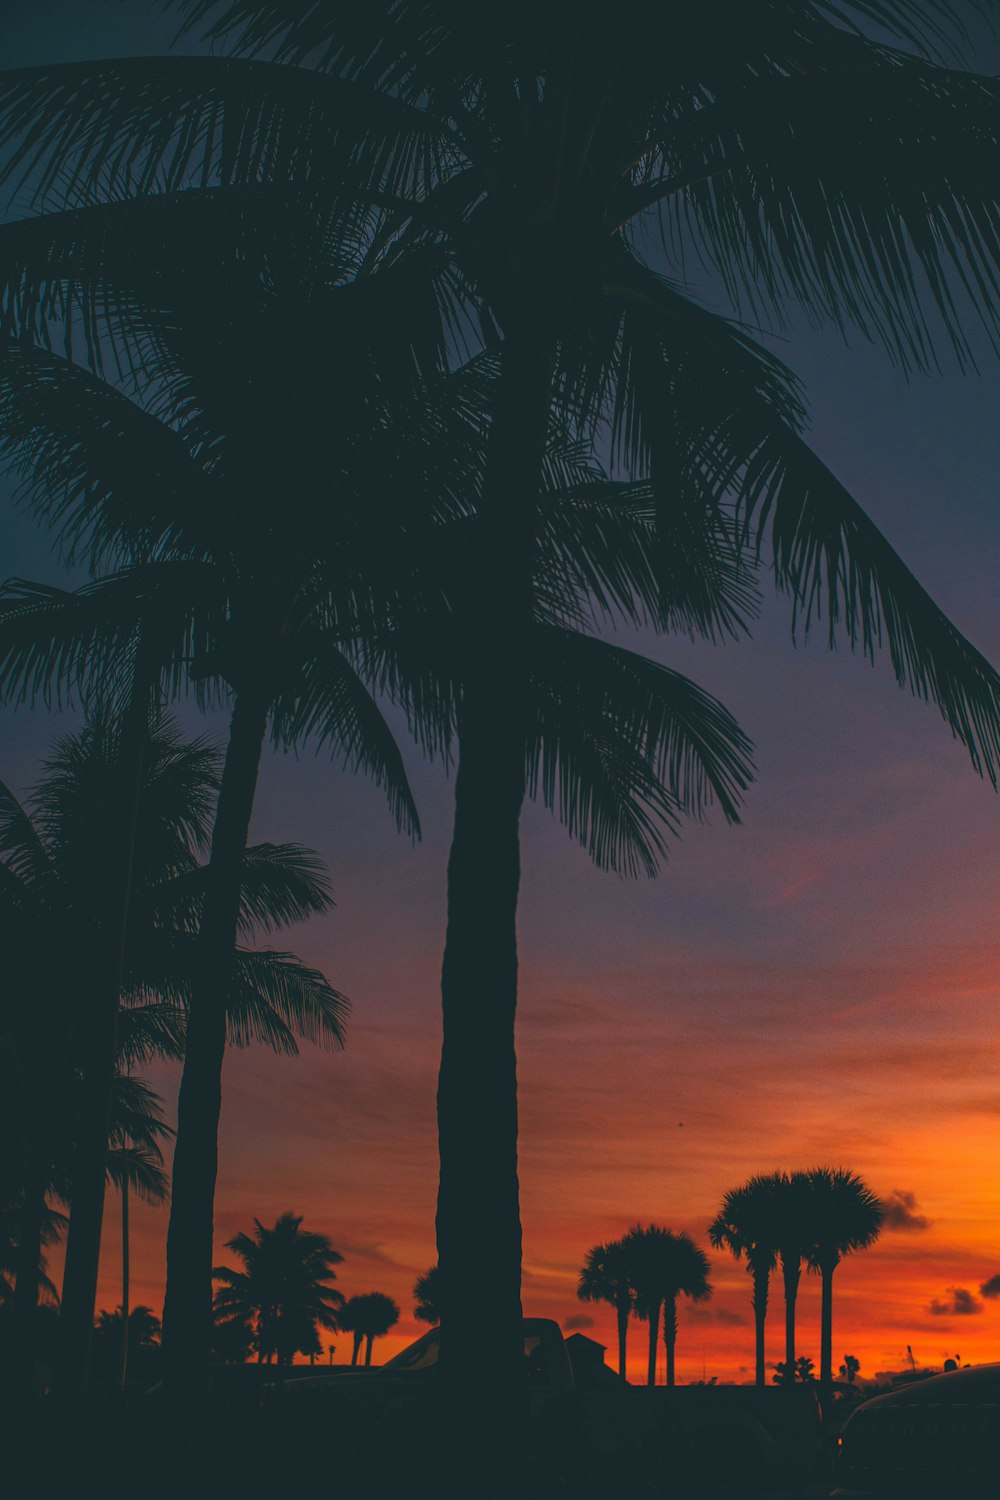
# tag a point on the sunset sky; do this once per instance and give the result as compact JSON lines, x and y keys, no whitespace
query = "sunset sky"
{"x":818,"y":985}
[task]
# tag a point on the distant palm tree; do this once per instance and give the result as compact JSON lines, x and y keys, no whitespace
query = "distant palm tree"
{"x":845,"y":1216}
{"x":745,"y":1224}
{"x":792,"y":1230}
{"x":367,"y":1317}
{"x":135,"y":1164}
{"x":662,"y":1266}
{"x":283,"y":1289}
{"x":605,"y":1278}
{"x":427,"y":1295}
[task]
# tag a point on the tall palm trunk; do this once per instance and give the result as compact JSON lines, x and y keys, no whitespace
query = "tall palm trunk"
{"x":761,"y":1277}
{"x":791,"y":1267}
{"x":123,"y":1365}
{"x":98,"y":1045}
{"x":827,"y":1268}
{"x":478,"y":1214}
{"x":369,"y":1341}
{"x":187,"y":1307}
{"x":29,"y":1254}
{"x":623,"y":1313}
{"x":670,"y":1334}
{"x":357,"y":1347}
{"x":654,"y":1330}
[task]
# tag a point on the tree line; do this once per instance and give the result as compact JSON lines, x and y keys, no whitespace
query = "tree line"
{"x":362,"y":358}
{"x":812,"y":1218}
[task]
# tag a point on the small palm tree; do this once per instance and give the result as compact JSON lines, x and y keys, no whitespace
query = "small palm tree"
{"x":662,"y":1266}
{"x":283,"y":1289}
{"x":427,"y":1296}
{"x":745,"y":1225}
{"x":605,"y":1278}
{"x":845,"y":1216}
{"x":368,"y":1318}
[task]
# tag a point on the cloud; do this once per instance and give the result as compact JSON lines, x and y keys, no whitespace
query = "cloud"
{"x":577,"y":1321}
{"x":901,"y":1212}
{"x":991,"y":1288}
{"x":962,"y":1304}
{"x":716,"y":1315}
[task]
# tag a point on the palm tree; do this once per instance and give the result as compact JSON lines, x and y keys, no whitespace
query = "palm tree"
{"x":605,"y":1278}
{"x":135,"y":1164}
{"x":427,"y":1296}
{"x":661,"y":1266}
{"x":745,"y":1225}
{"x":368,"y":1318}
{"x":47,"y":893}
{"x":793,"y":1236}
{"x":526,"y":150}
{"x":617,"y":744}
{"x":845,"y":1216}
{"x":283,"y":1288}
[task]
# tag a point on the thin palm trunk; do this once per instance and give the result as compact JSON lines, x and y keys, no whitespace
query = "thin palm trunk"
{"x":826,"y":1328}
{"x":791,"y":1269}
{"x":187,"y":1308}
{"x":123,"y":1368}
{"x":98,"y":1050}
{"x":29,"y":1253}
{"x":623,"y":1313}
{"x":654,"y":1331}
{"x":478,"y":1213}
{"x":670,"y":1335}
{"x":369,"y":1341}
{"x":357,"y":1347}
{"x":761,"y":1277}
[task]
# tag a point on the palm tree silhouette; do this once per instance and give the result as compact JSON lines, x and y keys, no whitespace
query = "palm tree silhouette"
{"x":283,"y":1288}
{"x":368,"y":1318}
{"x":617,"y":745}
{"x":427,"y":1296}
{"x":135,"y":1164}
{"x":845,"y":1216}
{"x":527,"y":159}
{"x":663,"y":1265}
{"x":605,"y":1278}
{"x":792,"y":1228}
{"x":47,"y":893}
{"x":745,"y":1225}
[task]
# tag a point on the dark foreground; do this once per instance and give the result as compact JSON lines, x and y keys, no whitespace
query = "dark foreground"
{"x":282,"y":1447}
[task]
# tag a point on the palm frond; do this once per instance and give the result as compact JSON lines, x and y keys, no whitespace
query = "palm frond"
{"x":276,"y":998}
{"x":136,"y":125}
{"x":839,"y":217}
{"x":620,"y":747}
{"x":332,"y":703}
{"x":281,"y":884}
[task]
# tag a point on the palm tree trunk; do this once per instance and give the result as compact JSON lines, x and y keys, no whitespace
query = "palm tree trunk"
{"x":826,"y":1331}
{"x":623,"y":1313}
{"x":187,"y":1307}
{"x":670,"y":1334}
{"x":98,"y":1049}
{"x":760,"y":1288}
{"x":791,"y":1269}
{"x":25,"y":1300}
{"x":369,"y":1341}
{"x":478,"y":1214}
{"x":357,"y":1347}
{"x":654,"y":1330}
{"x":123,"y":1367}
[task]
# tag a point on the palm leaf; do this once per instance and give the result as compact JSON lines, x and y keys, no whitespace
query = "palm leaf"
{"x":620,"y":747}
